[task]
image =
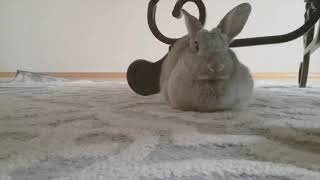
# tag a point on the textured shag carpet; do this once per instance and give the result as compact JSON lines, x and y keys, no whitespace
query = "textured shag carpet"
{"x":84,"y":130}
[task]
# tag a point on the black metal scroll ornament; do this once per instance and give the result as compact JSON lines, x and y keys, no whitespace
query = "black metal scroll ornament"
{"x":143,"y":76}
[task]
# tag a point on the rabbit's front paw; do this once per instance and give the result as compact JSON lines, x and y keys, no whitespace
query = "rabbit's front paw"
{"x":217,"y":92}
{"x":214,"y":92}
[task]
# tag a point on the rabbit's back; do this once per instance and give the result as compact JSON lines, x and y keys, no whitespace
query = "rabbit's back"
{"x":243,"y":84}
{"x":170,"y":63}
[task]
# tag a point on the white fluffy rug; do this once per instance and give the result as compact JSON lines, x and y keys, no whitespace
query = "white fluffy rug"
{"x":84,"y":130}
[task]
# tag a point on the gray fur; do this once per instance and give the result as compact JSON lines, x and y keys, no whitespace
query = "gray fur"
{"x":201,"y":72}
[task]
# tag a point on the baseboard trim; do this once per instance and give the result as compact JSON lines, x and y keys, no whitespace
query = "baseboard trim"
{"x":76,"y":75}
{"x":122,"y":75}
{"x":283,"y":76}
{"x":7,"y":74}
{"x":91,"y":75}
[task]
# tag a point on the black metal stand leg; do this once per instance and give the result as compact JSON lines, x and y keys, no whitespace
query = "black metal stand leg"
{"x":308,"y":37}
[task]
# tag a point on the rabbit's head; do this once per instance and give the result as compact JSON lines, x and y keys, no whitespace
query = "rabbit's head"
{"x":208,"y":52}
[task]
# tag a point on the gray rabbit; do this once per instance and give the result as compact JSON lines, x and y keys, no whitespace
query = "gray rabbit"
{"x":201,"y":72}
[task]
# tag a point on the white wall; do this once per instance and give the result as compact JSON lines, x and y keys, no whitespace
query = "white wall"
{"x":106,"y":36}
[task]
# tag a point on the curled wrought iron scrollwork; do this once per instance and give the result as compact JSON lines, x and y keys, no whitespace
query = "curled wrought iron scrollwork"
{"x":143,"y":76}
{"x":175,"y":13}
{"x":238,"y":42}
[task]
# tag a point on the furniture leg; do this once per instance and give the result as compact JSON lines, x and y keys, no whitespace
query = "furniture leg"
{"x":308,"y":37}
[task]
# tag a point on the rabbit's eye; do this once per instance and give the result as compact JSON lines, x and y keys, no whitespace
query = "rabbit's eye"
{"x":196,"y":46}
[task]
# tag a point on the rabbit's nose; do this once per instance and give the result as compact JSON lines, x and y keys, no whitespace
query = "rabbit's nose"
{"x":215,"y":67}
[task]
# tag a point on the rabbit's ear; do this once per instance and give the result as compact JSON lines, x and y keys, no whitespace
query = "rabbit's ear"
{"x":192,"y":23}
{"x":233,"y":23}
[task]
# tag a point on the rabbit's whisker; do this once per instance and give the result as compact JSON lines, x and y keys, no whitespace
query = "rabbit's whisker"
{"x":211,"y":69}
{"x":221,"y":67}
